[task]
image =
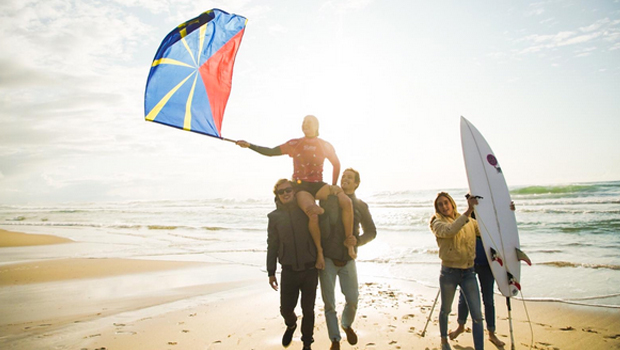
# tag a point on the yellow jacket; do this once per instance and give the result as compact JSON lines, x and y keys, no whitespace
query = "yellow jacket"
{"x":456,"y":240}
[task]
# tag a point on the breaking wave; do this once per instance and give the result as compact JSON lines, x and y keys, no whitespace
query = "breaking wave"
{"x":584,"y":265}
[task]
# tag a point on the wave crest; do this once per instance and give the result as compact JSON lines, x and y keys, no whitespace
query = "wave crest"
{"x":555,"y":189}
{"x":585,"y":265}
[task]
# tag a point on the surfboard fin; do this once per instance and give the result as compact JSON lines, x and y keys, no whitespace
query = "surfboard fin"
{"x":523,"y":257}
{"x":513,"y":281}
{"x":496,"y":257}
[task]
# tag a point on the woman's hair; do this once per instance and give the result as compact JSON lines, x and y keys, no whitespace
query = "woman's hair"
{"x":438,"y":215}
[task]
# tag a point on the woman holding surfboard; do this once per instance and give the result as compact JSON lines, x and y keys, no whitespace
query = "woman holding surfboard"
{"x":456,"y":238}
{"x":487,"y":285}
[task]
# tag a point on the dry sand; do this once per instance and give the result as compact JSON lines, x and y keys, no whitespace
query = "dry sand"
{"x":119,"y":304}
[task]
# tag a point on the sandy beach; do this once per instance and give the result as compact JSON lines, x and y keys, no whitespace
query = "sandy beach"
{"x":148,"y":304}
{"x":18,"y":239}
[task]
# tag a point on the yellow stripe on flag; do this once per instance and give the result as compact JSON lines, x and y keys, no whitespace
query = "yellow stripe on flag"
{"x":187,"y":122}
{"x":166,"y":60}
{"x":189,"y":51}
{"x":158,"y":107}
{"x":203,"y":30}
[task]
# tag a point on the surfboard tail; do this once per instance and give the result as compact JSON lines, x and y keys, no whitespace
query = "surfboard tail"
{"x":495,"y":257}
{"x":512,"y":281}
{"x":523,"y":257}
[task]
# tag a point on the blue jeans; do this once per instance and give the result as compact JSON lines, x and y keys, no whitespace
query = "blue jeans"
{"x":487,"y":283}
{"x":449,"y":279}
{"x":347,"y":275}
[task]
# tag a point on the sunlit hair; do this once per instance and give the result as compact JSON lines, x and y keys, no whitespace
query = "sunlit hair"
{"x":315,"y":120}
{"x":278,"y":184}
{"x":357,"y":175}
{"x":438,"y":215}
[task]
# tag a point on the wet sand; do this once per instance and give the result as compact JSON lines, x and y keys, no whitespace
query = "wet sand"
{"x":18,"y":239}
{"x":146,"y":304}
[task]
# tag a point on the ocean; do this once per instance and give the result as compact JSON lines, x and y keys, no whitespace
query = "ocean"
{"x":570,"y":232}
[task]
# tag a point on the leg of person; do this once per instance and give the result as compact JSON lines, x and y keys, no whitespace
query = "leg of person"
{"x":347,"y":219}
{"x":448,"y":280}
{"x":289,"y":294}
{"x":308,"y":297}
{"x":463,"y":310}
{"x":469,"y":286}
{"x":328,"y":287}
{"x":346,"y":205}
{"x":487,"y":284}
{"x":308,"y":204}
{"x":350,"y":288}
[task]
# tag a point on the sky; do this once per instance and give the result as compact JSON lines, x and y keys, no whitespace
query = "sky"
{"x":388,"y":81}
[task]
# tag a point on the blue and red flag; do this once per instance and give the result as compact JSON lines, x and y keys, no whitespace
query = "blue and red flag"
{"x":191,"y":75}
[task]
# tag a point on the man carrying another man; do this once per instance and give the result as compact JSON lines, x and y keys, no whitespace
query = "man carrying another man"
{"x":289,"y":242}
{"x":338,"y":262}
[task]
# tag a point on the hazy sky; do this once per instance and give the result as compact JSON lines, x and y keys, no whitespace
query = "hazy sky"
{"x":388,"y":81}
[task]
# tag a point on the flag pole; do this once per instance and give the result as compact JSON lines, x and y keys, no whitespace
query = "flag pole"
{"x":229,"y":140}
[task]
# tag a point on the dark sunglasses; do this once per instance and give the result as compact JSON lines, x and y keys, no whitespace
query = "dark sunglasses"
{"x":284,"y":190}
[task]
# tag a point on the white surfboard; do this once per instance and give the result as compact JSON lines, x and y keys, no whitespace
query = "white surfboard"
{"x":497,"y":222}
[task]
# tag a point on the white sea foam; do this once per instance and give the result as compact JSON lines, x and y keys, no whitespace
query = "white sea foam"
{"x":571,"y":233}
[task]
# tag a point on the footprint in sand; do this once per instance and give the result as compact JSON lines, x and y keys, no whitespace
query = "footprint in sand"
{"x":538,"y":324}
{"x":214,"y":345}
{"x":125,"y":333}
{"x":541,"y":343}
{"x":40,"y":325}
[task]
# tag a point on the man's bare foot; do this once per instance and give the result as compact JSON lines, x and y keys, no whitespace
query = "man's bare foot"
{"x":352,"y":253}
{"x":455,"y":333}
{"x":320,"y":262}
{"x":495,"y":340}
